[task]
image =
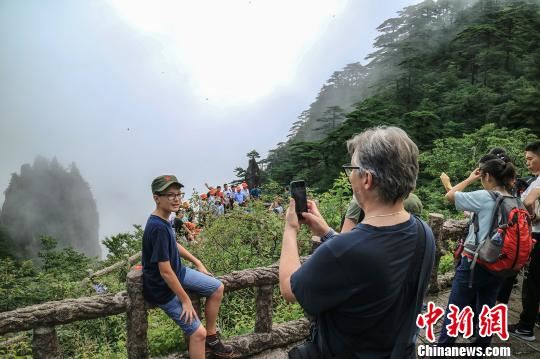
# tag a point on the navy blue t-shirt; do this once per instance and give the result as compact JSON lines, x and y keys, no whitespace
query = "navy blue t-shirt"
{"x":159,"y":245}
{"x":353,"y":285}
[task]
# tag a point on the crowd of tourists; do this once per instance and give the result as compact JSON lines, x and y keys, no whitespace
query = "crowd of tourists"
{"x":192,"y":215}
{"x":365,"y":287}
{"x":502,"y":194}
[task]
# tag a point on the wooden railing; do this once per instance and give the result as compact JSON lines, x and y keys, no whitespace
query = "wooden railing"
{"x":123,"y":263}
{"x":42,"y":318}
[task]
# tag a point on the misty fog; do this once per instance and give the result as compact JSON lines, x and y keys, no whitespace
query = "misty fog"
{"x":129,"y":91}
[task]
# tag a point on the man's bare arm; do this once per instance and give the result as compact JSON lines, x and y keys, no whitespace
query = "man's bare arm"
{"x":530,"y":200}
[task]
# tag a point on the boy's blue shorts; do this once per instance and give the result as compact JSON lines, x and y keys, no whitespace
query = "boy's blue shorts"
{"x":197,"y":282}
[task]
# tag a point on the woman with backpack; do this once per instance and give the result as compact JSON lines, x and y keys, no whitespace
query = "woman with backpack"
{"x":477,"y":286}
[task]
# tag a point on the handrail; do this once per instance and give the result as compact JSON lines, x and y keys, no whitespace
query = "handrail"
{"x":62,"y":312}
{"x":84,"y":308}
{"x":130,"y":260}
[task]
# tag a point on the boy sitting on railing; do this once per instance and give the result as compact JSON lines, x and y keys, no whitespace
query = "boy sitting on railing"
{"x":165,"y":279}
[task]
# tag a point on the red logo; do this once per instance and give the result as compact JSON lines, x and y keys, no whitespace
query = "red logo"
{"x":490,"y":321}
{"x":167,"y":178}
{"x":493,"y":321}
{"x":460,"y":321}
{"x":429,"y":320}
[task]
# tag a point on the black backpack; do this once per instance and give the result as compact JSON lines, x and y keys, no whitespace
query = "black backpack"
{"x":521,"y":185}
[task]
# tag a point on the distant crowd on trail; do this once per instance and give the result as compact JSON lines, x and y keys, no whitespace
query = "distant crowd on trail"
{"x":193,"y":215}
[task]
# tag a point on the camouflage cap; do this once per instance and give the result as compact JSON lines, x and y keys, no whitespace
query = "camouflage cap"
{"x":162,"y":182}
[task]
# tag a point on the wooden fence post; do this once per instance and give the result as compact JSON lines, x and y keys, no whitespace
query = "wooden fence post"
{"x":436,"y":222}
{"x":137,"y":317}
{"x":45,"y":343}
{"x":263,"y":308}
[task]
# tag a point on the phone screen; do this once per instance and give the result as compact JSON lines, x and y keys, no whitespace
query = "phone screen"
{"x":298,"y":193}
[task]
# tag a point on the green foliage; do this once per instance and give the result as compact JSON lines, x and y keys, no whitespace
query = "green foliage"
{"x":62,"y":262}
{"x":98,"y":338}
{"x":243,"y":238}
{"x":237,"y":314}
{"x":446,"y":264}
{"x":5,"y":240}
{"x":283,"y":311}
{"x":333,"y":204}
{"x":272,"y":189}
{"x":458,"y":156}
{"x":420,"y":123}
{"x":25,"y":283}
{"x":253,"y":154}
{"x":124,"y":244}
{"x":57,"y":276}
{"x":14,"y":283}
{"x":164,"y":335}
{"x":332,"y":117}
{"x":19,"y":349}
{"x":441,"y":69}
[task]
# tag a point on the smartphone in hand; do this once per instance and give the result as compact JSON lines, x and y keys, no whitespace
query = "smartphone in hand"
{"x":298,"y":193}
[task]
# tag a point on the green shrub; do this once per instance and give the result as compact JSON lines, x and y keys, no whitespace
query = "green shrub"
{"x":333,"y":204}
{"x":446,"y":264}
{"x":243,"y":238}
{"x":164,"y":336}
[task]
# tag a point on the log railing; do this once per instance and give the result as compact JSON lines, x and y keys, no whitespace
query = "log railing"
{"x":123,"y":263}
{"x":42,"y":318}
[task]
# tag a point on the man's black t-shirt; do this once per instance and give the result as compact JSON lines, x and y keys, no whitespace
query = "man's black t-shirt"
{"x":353,"y":284}
{"x":159,"y":245}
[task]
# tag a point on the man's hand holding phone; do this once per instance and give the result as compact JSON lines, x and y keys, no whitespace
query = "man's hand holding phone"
{"x":314,"y":220}
{"x":291,"y":219}
{"x":305,"y":211}
{"x":299,"y":194}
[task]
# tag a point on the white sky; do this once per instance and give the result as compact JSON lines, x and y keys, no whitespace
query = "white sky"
{"x":131,"y":89}
{"x":228,"y":49}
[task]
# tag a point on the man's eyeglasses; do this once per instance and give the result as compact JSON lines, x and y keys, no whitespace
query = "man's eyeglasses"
{"x":349,"y":168}
{"x":171,"y":196}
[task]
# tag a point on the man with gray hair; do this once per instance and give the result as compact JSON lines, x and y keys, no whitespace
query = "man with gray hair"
{"x":365,"y":288}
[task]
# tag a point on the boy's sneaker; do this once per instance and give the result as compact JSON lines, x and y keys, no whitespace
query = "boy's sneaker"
{"x":215,"y":346}
{"x":521,"y":333}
